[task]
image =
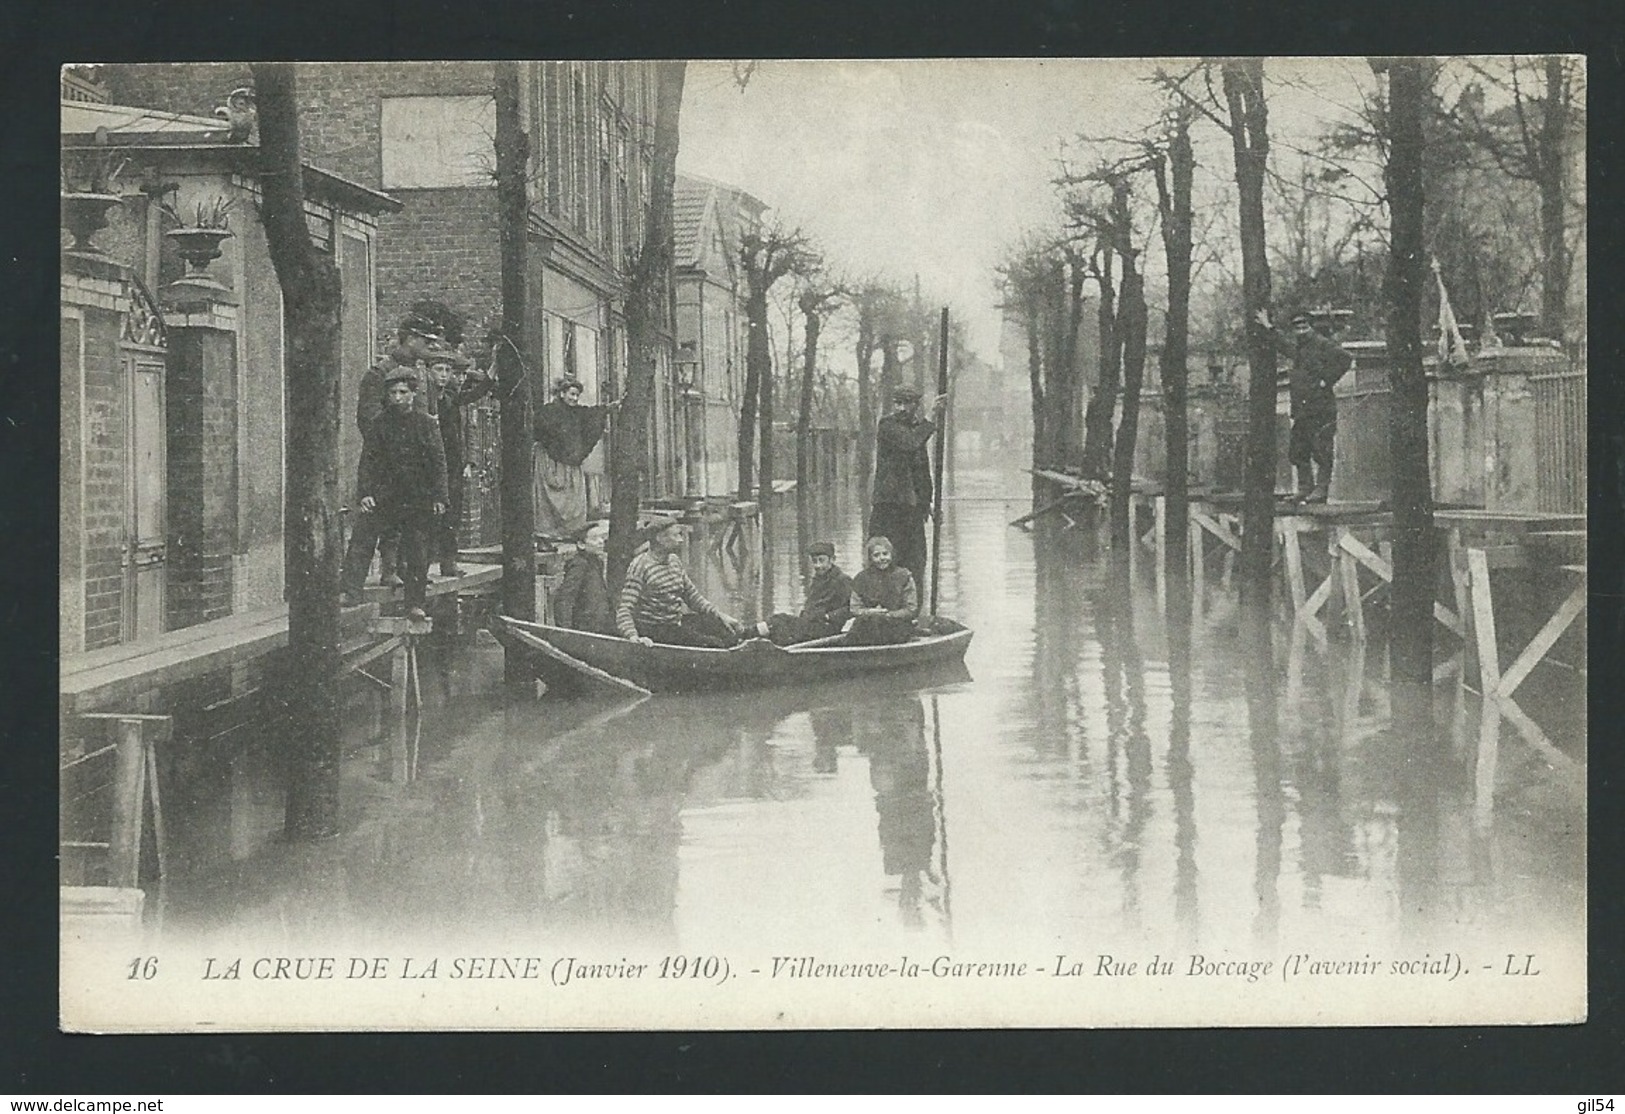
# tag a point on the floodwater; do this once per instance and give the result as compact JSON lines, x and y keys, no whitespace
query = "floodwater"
{"x":1094,"y":779}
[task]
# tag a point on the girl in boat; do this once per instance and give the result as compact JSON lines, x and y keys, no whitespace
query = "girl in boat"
{"x":885,"y":601}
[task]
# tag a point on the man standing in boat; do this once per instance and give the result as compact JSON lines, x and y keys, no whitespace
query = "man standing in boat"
{"x":903,"y":485}
{"x":659,"y":603}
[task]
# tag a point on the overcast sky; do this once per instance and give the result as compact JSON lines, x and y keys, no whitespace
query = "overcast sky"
{"x":936,"y":167}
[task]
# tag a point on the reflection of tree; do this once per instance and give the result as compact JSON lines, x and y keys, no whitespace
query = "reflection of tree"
{"x":590,"y":821}
{"x":1058,"y":620}
{"x":1316,"y":774}
{"x":892,"y":733}
{"x":1180,"y":771}
{"x":1417,"y":766}
{"x":1263,"y":727}
{"x":1127,"y":746}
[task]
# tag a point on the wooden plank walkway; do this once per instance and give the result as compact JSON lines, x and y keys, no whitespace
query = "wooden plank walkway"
{"x":121,"y":673}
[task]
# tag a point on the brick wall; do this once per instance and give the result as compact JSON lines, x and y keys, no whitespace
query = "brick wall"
{"x":443,"y":244}
{"x":104,"y":466}
{"x":202,"y":432}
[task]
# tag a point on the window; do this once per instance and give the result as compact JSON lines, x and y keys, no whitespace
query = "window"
{"x":437,"y":142}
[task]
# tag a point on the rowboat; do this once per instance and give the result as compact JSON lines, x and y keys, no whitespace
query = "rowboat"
{"x":576,"y":661}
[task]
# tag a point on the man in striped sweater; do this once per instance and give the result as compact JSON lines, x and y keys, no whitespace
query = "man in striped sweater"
{"x":659,"y":603}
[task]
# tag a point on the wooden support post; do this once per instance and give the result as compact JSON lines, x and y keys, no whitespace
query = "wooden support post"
{"x":1198,"y":565}
{"x":1543,"y":641}
{"x":1294,"y":565}
{"x":1348,"y":570}
{"x":1489,"y":753}
{"x":129,"y":795}
{"x":1159,"y":508}
{"x":135,"y":782}
{"x":399,"y":684}
{"x":1489,"y":658}
{"x":1456,"y":556}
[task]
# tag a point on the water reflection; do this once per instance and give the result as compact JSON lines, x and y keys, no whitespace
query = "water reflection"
{"x":1109,"y":776}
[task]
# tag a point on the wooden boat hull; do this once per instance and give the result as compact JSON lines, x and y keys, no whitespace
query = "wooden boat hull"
{"x":753,"y":664}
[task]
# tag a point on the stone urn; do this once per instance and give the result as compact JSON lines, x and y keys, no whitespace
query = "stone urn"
{"x":199,"y":247}
{"x":84,"y":214}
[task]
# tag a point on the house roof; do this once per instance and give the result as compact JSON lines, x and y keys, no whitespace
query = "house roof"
{"x":115,"y":125}
{"x":690,"y":198}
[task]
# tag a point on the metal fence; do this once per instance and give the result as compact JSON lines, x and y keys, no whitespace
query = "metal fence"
{"x":1560,"y":440}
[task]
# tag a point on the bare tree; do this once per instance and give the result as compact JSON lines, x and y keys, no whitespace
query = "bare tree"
{"x":1243,"y":82}
{"x":875,"y":302}
{"x":1173,"y":166}
{"x":311,"y":305}
{"x":1532,"y":142}
{"x":1411,"y":636}
{"x":648,"y":322}
{"x":816,"y":300}
{"x":766,"y":256}
{"x":512,"y":151}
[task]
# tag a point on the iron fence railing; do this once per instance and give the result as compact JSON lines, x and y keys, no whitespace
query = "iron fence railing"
{"x":1560,"y":440}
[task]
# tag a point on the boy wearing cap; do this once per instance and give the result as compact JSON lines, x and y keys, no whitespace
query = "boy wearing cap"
{"x":401,"y":488}
{"x":450,"y":390}
{"x":409,"y":351}
{"x":581,"y":601}
{"x":1317,"y":364}
{"x":827,"y":607}
{"x":903,"y":487}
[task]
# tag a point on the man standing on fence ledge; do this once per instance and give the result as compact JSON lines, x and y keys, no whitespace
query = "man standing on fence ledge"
{"x":903,"y":486}
{"x":1317,"y":364}
{"x":403,"y":484}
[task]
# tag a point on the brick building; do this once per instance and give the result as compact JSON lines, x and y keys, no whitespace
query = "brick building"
{"x":423,"y":132}
{"x":173,"y":392}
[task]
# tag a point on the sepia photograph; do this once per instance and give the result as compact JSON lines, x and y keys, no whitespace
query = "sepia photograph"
{"x":896,"y":544}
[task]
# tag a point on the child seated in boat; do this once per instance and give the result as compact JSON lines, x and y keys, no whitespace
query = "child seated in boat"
{"x":659,"y":603}
{"x":581,"y":601}
{"x":828,"y":605}
{"x":885,"y":601}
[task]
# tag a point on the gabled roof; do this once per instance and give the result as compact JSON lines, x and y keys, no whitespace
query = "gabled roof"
{"x":690,"y":200}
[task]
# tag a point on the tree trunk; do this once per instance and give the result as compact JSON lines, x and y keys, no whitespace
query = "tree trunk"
{"x":1175,"y":365}
{"x":648,"y":324}
{"x":1131,"y":320}
{"x":1097,"y":421}
{"x":1035,"y":383}
{"x":517,"y":437}
{"x":804,"y":431}
{"x":1552,"y":171}
{"x":757,"y":358}
{"x":866,"y":414}
{"x":764,"y":428}
{"x":314,"y":542}
{"x":1411,"y":639}
{"x":1249,"y":133}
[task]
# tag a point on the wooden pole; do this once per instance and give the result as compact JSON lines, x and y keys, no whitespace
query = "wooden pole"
{"x":518,"y":515}
{"x":942,"y":441}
